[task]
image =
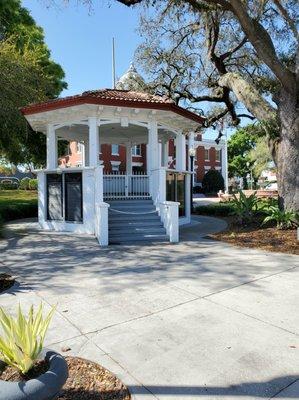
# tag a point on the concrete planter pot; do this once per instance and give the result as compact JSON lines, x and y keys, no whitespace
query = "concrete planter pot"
{"x":45,"y":387}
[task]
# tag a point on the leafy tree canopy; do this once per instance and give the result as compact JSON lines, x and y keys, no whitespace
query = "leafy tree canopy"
{"x":240,"y":146}
{"x":27,"y":75}
{"x":260,"y":157}
{"x":187,"y":49}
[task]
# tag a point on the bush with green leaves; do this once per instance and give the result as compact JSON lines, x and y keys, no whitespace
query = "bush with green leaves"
{"x":218,"y":209}
{"x":24,"y":183}
{"x":23,"y":338}
{"x":9,"y":185}
{"x":33,"y":184}
{"x":245,"y":207}
{"x":212,"y":182}
{"x":283,"y":219}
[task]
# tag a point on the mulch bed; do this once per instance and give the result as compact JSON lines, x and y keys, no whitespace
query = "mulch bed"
{"x":6,"y":282}
{"x":255,"y":236}
{"x":87,"y":381}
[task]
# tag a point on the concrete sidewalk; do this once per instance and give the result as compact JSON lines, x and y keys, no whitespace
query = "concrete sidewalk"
{"x":196,"y":320}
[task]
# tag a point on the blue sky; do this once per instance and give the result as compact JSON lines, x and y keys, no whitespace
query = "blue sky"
{"x":80,"y":39}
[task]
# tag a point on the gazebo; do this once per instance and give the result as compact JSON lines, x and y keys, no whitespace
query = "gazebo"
{"x":78,"y":199}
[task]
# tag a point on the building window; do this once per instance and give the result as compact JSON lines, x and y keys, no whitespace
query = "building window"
{"x":207,"y":155}
{"x":136,"y":150}
{"x":218,"y":155}
{"x":79,"y":147}
{"x":115,"y":168}
{"x":115,"y":149}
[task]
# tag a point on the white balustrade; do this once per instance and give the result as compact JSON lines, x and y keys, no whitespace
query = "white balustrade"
{"x":116,"y":186}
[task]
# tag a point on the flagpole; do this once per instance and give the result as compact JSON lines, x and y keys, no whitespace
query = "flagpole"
{"x":113,"y":63}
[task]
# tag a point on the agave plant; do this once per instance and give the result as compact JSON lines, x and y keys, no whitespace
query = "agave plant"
{"x":23,"y":338}
{"x":245,"y":207}
{"x":283,"y":219}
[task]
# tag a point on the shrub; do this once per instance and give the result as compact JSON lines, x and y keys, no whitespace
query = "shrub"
{"x":283,"y":219}
{"x":212,"y":182}
{"x":23,"y":338}
{"x":33,"y":184}
{"x":218,"y":210}
{"x":24,"y":183}
{"x":8,"y":185}
{"x":245,"y":207}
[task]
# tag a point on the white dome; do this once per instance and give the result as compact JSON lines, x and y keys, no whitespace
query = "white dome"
{"x":131,"y":80}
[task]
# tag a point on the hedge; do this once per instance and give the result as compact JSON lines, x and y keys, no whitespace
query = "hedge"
{"x":220,"y":209}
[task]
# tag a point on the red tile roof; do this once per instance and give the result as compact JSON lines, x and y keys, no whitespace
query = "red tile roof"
{"x":128,"y":95}
{"x":113,"y":97}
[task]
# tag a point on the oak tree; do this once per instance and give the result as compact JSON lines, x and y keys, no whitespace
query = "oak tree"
{"x":229,"y":52}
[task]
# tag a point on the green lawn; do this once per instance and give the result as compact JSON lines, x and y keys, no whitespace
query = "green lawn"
{"x":15,"y":204}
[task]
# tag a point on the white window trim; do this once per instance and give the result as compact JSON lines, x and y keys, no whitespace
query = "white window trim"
{"x":218,"y":151}
{"x":115,"y":163}
{"x":79,"y":148}
{"x":208,"y":150}
{"x":136,"y":155}
{"x":137,"y":164}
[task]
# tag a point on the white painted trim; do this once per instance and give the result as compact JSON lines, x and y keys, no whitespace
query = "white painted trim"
{"x":52,"y":157}
{"x":94,"y":142}
{"x":115,"y":163}
{"x":70,"y":123}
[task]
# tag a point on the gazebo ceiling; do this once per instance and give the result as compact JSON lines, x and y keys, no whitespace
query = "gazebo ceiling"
{"x":111,"y":102}
{"x":112,"y":134}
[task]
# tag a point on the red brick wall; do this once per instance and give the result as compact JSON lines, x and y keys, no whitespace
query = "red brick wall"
{"x":106,"y":156}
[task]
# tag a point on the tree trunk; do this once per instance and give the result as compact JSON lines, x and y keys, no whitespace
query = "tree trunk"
{"x":286,"y":153}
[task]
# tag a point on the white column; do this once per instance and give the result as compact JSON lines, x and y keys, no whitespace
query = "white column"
{"x":224,"y":169}
{"x":160,"y":154}
{"x":148,"y":167}
{"x":42,"y":208}
{"x":180,"y":143}
{"x":86,"y":153}
{"x":165,"y":153}
{"x":101,"y":228}
{"x":190,"y":146}
{"x":129,"y":158}
{"x":153,"y":146}
{"x":94,"y":142}
{"x":51,"y":147}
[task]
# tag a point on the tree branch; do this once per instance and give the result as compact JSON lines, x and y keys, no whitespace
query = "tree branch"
{"x":246,"y":116}
{"x":287,"y":18}
{"x":263,"y":45}
{"x":230,"y":52}
{"x":249,"y":96}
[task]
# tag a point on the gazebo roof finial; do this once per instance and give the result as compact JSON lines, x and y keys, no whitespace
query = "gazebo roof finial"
{"x":131,"y":80}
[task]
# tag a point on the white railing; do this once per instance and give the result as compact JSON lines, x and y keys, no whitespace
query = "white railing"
{"x":116,"y":186}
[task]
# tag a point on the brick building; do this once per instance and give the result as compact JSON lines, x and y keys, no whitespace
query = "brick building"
{"x":113,"y":157}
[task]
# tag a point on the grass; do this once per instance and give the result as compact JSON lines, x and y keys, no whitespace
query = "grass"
{"x":15,"y":204}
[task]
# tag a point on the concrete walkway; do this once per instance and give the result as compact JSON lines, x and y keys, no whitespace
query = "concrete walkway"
{"x":196,"y":320}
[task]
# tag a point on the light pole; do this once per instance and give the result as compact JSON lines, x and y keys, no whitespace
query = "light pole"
{"x":192,"y":153}
{"x":249,"y":166}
